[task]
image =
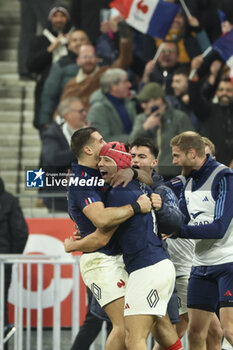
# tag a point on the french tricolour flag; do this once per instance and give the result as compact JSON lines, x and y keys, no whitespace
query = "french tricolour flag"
{"x":153,"y":17}
{"x":224,"y":46}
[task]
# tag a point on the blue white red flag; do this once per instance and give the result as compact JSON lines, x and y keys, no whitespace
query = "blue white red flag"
{"x":224,"y":46}
{"x":153,"y":17}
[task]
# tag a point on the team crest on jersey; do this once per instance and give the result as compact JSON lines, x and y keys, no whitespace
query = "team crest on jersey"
{"x":152,"y":298}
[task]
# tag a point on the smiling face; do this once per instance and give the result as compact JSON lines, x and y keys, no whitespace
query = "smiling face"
{"x":76,"y":40}
{"x":225,"y":93}
{"x":179,"y":84}
{"x":169,"y":55}
{"x":87,"y":59}
{"x":107,"y":168}
{"x":58,"y":21}
{"x":184,"y":159}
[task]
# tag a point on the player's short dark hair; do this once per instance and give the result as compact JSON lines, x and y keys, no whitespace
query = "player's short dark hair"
{"x":146,"y":142}
{"x":81,"y":138}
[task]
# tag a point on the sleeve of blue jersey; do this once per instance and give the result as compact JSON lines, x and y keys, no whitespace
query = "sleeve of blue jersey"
{"x":222,"y":216}
{"x":86,"y":196}
{"x":120,"y":196}
{"x":169,"y":216}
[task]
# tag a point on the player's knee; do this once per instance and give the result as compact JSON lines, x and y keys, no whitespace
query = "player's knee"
{"x":196,"y":336}
{"x":215,"y":335}
{"x":131,"y":340}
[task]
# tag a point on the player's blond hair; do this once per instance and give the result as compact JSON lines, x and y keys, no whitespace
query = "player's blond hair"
{"x":189,"y":140}
{"x":210,"y":144}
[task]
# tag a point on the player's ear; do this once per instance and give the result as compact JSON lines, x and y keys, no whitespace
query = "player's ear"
{"x":154,"y":163}
{"x":87,"y":150}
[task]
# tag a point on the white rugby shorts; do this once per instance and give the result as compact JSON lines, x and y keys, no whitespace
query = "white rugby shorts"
{"x":149,"y":289}
{"x":104,"y":275}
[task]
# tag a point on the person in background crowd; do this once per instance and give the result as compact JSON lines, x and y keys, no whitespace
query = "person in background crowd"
{"x":13,"y":236}
{"x":56,"y":154}
{"x":60,"y":73}
{"x":48,"y":48}
{"x":111,"y":111}
{"x":214,"y":116}
{"x":32,"y":12}
{"x":88,"y":77}
{"x":180,"y":99}
{"x":162,"y":71}
{"x":160,"y":122}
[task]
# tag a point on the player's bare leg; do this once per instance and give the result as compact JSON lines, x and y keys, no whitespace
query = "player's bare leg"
{"x":226,"y":319}
{"x":116,"y":339}
{"x":215,"y":334}
{"x":199,"y":322}
{"x":164,"y":333}
{"x":137,"y":330}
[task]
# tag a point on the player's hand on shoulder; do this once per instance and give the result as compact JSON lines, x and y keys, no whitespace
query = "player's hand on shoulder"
{"x":122,"y":177}
{"x":145,"y":203}
{"x":156,"y":201}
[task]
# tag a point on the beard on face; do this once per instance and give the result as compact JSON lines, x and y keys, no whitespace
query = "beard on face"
{"x":225,"y":100}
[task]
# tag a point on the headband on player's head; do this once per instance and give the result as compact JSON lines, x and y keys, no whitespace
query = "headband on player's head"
{"x":118,"y":152}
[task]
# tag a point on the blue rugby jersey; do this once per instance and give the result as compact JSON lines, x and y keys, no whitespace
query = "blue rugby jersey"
{"x":137,"y":237}
{"x":79,"y":196}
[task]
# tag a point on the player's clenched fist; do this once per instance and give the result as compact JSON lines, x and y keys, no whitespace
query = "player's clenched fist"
{"x":145,"y":203}
{"x":156,"y":201}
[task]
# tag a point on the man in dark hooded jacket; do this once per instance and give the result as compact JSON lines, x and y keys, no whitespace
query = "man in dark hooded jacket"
{"x":48,"y":48}
{"x":13,"y":235}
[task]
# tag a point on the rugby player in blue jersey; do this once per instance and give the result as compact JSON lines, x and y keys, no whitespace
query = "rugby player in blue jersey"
{"x":103,"y":271}
{"x":207,"y":202}
{"x":151,"y":274}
